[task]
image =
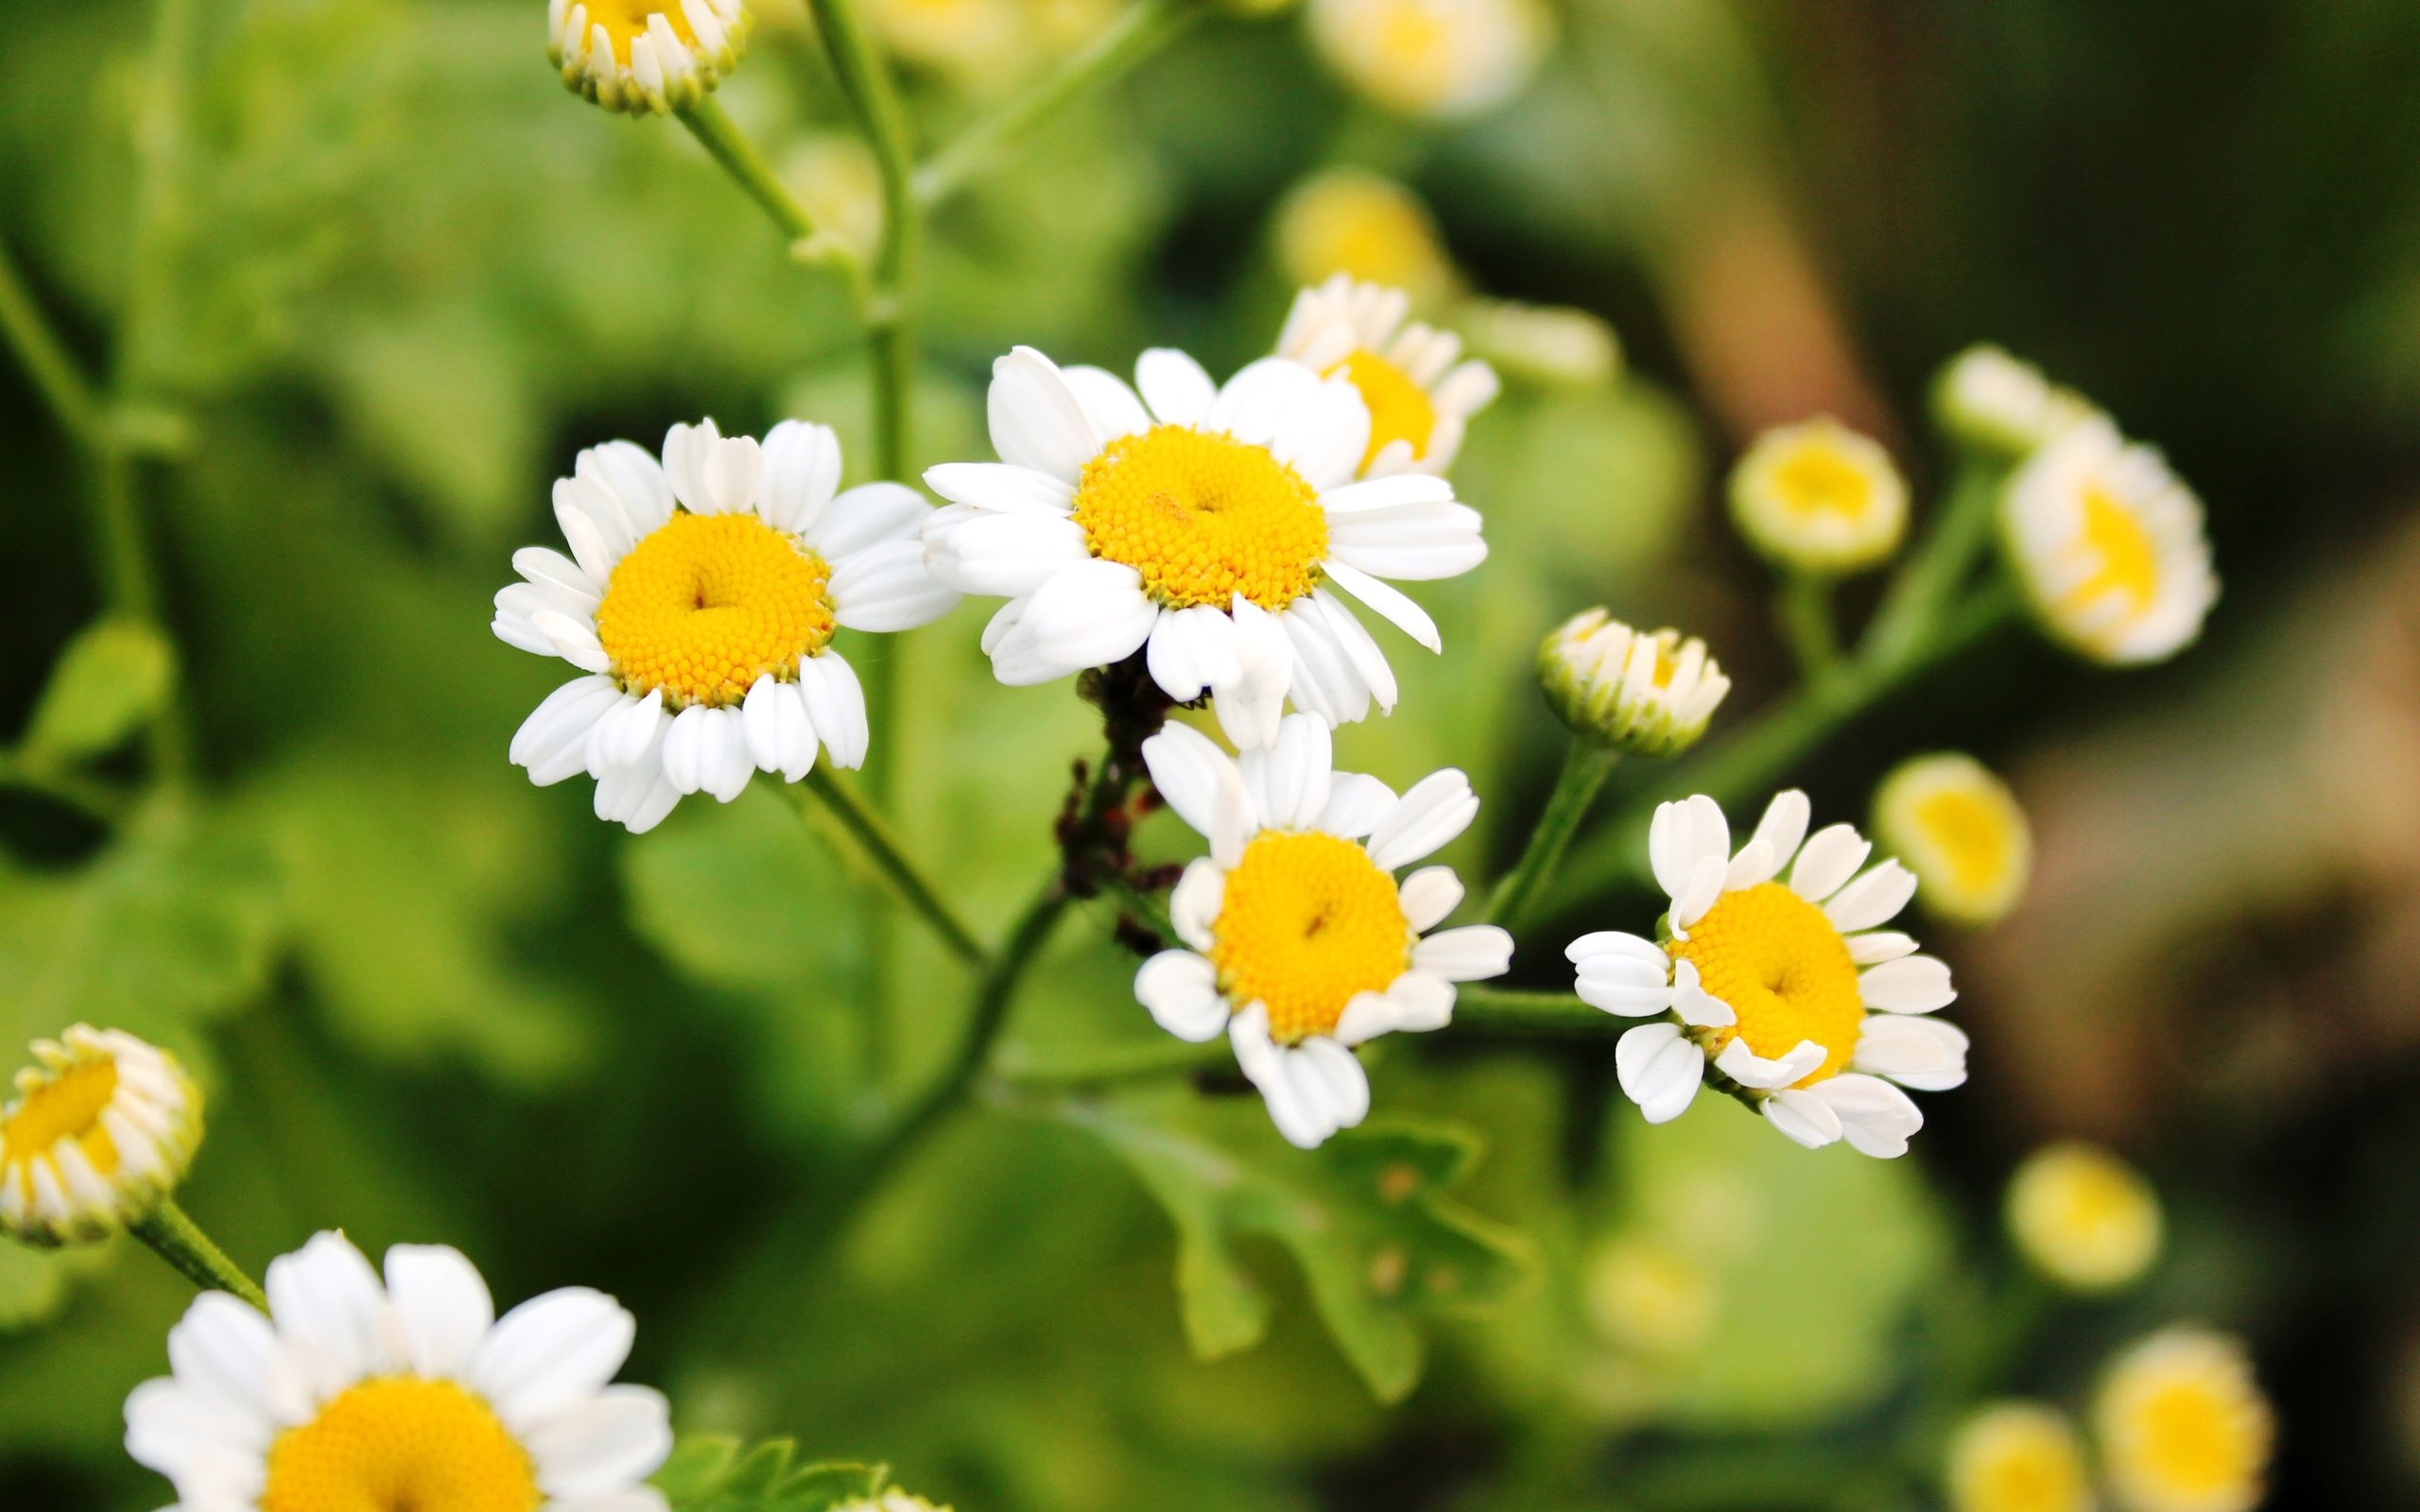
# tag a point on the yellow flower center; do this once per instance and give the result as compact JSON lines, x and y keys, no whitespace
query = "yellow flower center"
{"x":1204,"y":517}
{"x":400,"y":1444}
{"x":1783,"y":969}
{"x":2196,"y":1441}
{"x":1819,"y":479}
{"x":2127,"y":562}
{"x":1972,"y":834}
{"x":1412,"y":48}
{"x":1400,"y":409}
{"x":1308,"y":922}
{"x":2030,"y":1477}
{"x":709,"y":602}
{"x":625,"y":22}
{"x":66,"y":1106}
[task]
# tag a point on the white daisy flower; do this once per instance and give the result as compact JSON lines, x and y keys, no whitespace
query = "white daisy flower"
{"x":1790,"y":991}
{"x":2184,"y":1426}
{"x":2109,"y":546}
{"x":1300,"y":944}
{"x":1447,"y":60}
{"x":1962,"y":831}
{"x":2018,"y":1456}
{"x":2084,"y":1218}
{"x":354,"y":1394}
{"x":647,"y":56}
{"x":1817,"y":497}
{"x":700,"y":599}
{"x":2002,"y":406}
{"x":1420,"y":394}
{"x":102,"y":1128}
{"x":1210,"y":530}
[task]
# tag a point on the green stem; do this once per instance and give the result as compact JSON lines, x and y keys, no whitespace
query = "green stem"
{"x":1512,"y":1010}
{"x":63,"y":385}
{"x":180,"y":1241}
{"x":1164,"y":1057}
{"x":1585,"y":765}
{"x":729,"y":147}
{"x":1929,"y":579}
{"x":1141,"y":29}
{"x":882,"y":848}
{"x":1803,"y":608}
{"x":865,"y":78}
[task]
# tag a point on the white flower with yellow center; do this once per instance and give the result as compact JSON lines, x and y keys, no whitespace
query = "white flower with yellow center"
{"x":1300,"y":944}
{"x":1817,"y":497}
{"x":700,"y":598}
{"x":2018,"y":1456}
{"x":354,"y":1396}
{"x":2183,"y":1425}
{"x":1648,"y":695}
{"x":1789,"y":990}
{"x":1209,"y":530}
{"x":1960,"y":831}
{"x":2001,"y":405}
{"x":2109,"y":546}
{"x":2084,"y":1218}
{"x":1420,"y":397}
{"x":1352,"y":221}
{"x":1447,"y":59}
{"x":102,"y":1128}
{"x":646,"y":56}
{"x":888,"y":1501}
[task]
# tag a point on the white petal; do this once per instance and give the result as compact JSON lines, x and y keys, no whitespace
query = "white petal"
{"x":624,"y":734}
{"x":1263,"y":1065}
{"x":575,"y":641}
{"x":442,"y":1308}
{"x":1660,"y":1070}
{"x":836,"y":707}
{"x":685,"y":749}
{"x":1196,"y":901}
{"x":1783,"y":829}
{"x":1263,"y":399}
{"x":608,"y":1443}
{"x":802,"y":471}
{"x":1182,"y":991}
{"x":1749,"y":1069}
{"x":1876,"y":1117}
{"x":1289,"y":781}
{"x":1873,"y":898}
{"x":1412,"y":543}
{"x":1471,"y":953}
{"x":1191,"y":649}
{"x":1352,"y":638}
{"x":1926,"y":1054}
{"x":550,"y":1352}
{"x":1248,"y":706}
{"x":1876,"y":946}
{"x":1389,"y":602}
{"x":1188,"y":768}
{"x":1436,"y":809}
{"x":1179,"y":392}
{"x":1704,"y":888}
{"x":1912,"y":984}
{"x":1323,"y":681}
{"x":225,"y":1350}
{"x":326,"y":1299}
{"x":1356,"y":803}
{"x":174,"y":1429}
{"x":866,"y":516}
{"x":887,"y":586}
{"x":1001,"y":488}
{"x":553,"y":741}
{"x":1036,"y":420}
{"x":1831,"y":856}
{"x":1089,"y":614}
{"x":1694,"y":1003}
{"x":1803,"y":1117}
{"x":1331,"y":1080}
{"x":1428,"y":896}
{"x":733,"y":473}
{"x":1111,"y":406}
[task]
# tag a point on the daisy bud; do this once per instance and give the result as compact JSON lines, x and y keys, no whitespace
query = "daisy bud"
{"x":1648,"y":695}
{"x":1542,"y":343}
{"x":2018,"y":1456}
{"x":2084,"y":1218}
{"x":2000,"y":406}
{"x":646,"y":57}
{"x":102,"y":1128}
{"x":2183,"y":1425}
{"x":888,"y":1501}
{"x":1444,"y":60}
{"x":1351,"y":221}
{"x":1819,"y":498}
{"x":1960,"y":830}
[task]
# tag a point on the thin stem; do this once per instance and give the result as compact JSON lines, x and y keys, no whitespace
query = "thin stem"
{"x":729,"y":147}
{"x":63,"y":385}
{"x":882,"y":848}
{"x":1512,"y":1010}
{"x":1585,"y":765}
{"x":1803,"y":608}
{"x":865,"y":78}
{"x":1933,"y":572}
{"x":1141,"y":29}
{"x":180,"y":1241}
{"x":95,"y":801}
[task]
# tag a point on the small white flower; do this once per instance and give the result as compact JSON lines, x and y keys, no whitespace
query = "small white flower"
{"x":1419,"y":395}
{"x":1209,"y":530}
{"x":700,"y":598}
{"x":410,"y":1393}
{"x":1648,"y":695}
{"x":1960,"y":831}
{"x":2184,"y":1426}
{"x":1444,"y":58}
{"x":102,"y":1128}
{"x":1300,"y":943}
{"x":2018,"y":1456}
{"x":2001,"y":406}
{"x":2109,"y":546}
{"x":1789,"y":990}
{"x":2084,"y":1218}
{"x":647,"y":56}
{"x":1817,"y":497}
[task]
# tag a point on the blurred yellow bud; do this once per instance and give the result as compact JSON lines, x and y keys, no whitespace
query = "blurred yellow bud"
{"x":1819,"y":498}
{"x":1960,"y":831}
{"x":646,"y":57}
{"x":2017,"y":1456}
{"x":839,"y":186}
{"x":1648,"y":695}
{"x":102,"y":1128}
{"x":2084,"y":1218}
{"x":2183,"y":1425}
{"x":1645,"y":1296}
{"x":2003,"y":406}
{"x":1372,"y":229}
{"x":1446,"y":58}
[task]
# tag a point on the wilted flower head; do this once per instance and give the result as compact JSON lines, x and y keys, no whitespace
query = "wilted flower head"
{"x":2183,"y":1425}
{"x":103,"y":1128}
{"x":646,"y":56}
{"x":2001,"y":406}
{"x":1358,"y":223}
{"x":1960,"y":831}
{"x":2084,"y":1218}
{"x":2018,"y":1456}
{"x":1817,"y":497}
{"x":1648,"y":695}
{"x":1434,"y":57}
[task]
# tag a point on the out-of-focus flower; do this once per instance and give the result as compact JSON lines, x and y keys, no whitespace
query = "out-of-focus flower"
{"x":1355,"y":222}
{"x":103,"y":1126}
{"x":351,"y":1394}
{"x":1207,"y":531}
{"x":1420,"y":397}
{"x":1646,"y":1296}
{"x":1447,"y":59}
{"x":2001,"y":406}
{"x":1648,"y":695}
{"x":1300,"y":943}
{"x":2109,"y":546}
{"x":2018,"y":1456}
{"x":2183,"y":1426}
{"x":701,"y":597}
{"x":839,"y":186}
{"x":1790,"y":991}
{"x":1817,"y":497}
{"x":646,"y":56}
{"x":2084,"y":1218}
{"x":1544,"y":343}
{"x":888,"y":1501}
{"x":974,"y":41}
{"x":1960,"y":831}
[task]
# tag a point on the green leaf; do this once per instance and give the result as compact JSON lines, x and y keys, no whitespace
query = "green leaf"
{"x":1366,"y":1216}
{"x":113,"y":676}
{"x":708,"y":1474}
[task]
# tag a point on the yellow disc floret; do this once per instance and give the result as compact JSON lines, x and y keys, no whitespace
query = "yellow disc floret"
{"x":708,"y":603}
{"x":67,"y":1109}
{"x":1204,"y":517}
{"x":1400,"y":410}
{"x":400,"y":1444}
{"x":1785,"y":971}
{"x":625,"y":21}
{"x":2127,"y":561}
{"x":1308,"y":920}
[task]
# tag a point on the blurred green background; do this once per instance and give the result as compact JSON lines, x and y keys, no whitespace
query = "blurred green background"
{"x":389,"y":275}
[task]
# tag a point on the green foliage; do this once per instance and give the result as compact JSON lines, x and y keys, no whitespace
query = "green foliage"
{"x":710,"y":1474}
{"x":1366,"y":1216}
{"x":115,"y":674}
